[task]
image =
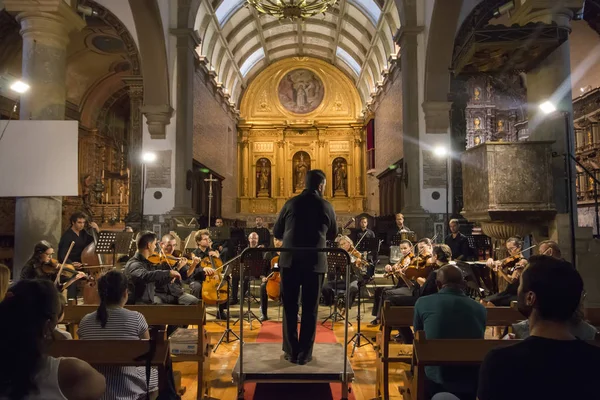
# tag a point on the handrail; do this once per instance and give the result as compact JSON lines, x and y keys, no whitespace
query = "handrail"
{"x":249,"y":251}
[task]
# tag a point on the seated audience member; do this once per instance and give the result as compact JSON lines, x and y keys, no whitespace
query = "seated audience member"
{"x":27,"y":373}
{"x":4,"y":280}
{"x":450,"y":314}
{"x":113,"y":321}
{"x":551,"y":363}
{"x":59,"y":334}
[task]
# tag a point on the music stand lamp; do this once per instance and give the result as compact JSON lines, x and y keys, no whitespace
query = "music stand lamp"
{"x":114,"y":243}
{"x":253,"y":268}
{"x":228,"y":330}
{"x":336,"y":266}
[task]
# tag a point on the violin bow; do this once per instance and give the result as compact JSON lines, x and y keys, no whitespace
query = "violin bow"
{"x":63,"y":263}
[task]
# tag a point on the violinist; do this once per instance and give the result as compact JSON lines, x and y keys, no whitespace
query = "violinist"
{"x":338,"y":283}
{"x":41,"y":266}
{"x":172,"y":292}
{"x":274,"y":267}
{"x":510,"y":270}
{"x":142,"y":274}
{"x":204,"y":250}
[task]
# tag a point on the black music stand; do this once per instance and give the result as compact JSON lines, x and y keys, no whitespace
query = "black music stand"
{"x":253,"y":268}
{"x":358,"y":335}
{"x":228,"y":330}
{"x":219,"y":233}
{"x":336,"y":265}
{"x":113,"y":243}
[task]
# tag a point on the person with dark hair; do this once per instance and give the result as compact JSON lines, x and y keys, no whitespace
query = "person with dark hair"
{"x":113,"y":321}
{"x":172,"y":292}
{"x":143,"y":276}
{"x":365,"y":232}
{"x":264,"y":236}
{"x":459,"y":244}
{"x":221,"y":245}
{"x":510,"y":270}
{"x":32,"y":307}
{"x":306,"y":220}
{"x":450,"y":314}
{"x":551,"y":363}
{"x":76,"y":233}
{"x":42,"y":254}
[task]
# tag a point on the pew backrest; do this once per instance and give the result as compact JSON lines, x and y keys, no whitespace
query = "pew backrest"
{"x":154,"y":314}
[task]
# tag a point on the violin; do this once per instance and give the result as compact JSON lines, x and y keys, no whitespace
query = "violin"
{"x":156,"y":258}
{"x":274,"y":281}
{"x":214,"y":290}
{"x":403,"y":262}
{"x":52,"y":268}
{"x":419,"y":267}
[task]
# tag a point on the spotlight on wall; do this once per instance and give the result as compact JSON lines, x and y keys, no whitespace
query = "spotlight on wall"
{"x":19,"y":87}
{"x":149,"y":157}
{"x":547,"y":107}
{"x":440,"y":151}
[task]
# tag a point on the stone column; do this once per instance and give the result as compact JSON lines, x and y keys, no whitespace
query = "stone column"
{"x":187,"y":41}
{"x":358,"y":165}
{"x":135,"y":85}
{"x":245,"y":171}
{"x":281,"y":169}
{"x":45,"y":28}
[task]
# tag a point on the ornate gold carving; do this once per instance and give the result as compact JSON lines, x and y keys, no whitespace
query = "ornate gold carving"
{"x":357,"y":142}
{"x":263,"y":147}
{"x":244,"y":144}
{"x":245,"y":187}
{"x":339,"y":146}
{"x":281,"y":144}
{"x":263,"y":102}
{"x":321,"y":143}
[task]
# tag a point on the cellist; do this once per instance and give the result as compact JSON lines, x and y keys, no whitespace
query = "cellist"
{"x":272,"y":258}
{"x":202,"y":238}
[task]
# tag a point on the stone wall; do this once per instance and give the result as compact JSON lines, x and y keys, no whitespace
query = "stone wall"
{"x":215,"y":139}
{"x":585,"y":44}
{"x":388,"y":136}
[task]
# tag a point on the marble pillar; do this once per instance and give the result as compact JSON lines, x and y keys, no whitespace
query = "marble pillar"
{"x":187,"y":41}
{"x":45,"y":28}
{"x":135,"y":84}
{"x":244,"y":170}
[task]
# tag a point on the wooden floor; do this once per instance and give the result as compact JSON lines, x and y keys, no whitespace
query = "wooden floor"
{"x":223,"y":360}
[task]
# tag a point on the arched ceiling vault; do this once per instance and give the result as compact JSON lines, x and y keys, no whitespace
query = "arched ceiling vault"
{"x":356,"y":36}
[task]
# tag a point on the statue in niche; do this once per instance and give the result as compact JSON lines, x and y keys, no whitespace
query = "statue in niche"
{"x":477,"y":140}
{"x":477,"y":94}
{"x":501,"y":126}
{"x":301,"y":163}
{"x":340,"y":177}
{"x":477,"y":123}
{"x":263,"y":175}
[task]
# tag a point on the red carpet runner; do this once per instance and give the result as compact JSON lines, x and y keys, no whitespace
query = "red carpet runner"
{"x":271,"y":332}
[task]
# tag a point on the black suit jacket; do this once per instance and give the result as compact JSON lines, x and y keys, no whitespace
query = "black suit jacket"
{"x":306,"y":220}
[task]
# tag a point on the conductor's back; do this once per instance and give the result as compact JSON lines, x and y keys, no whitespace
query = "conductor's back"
{"x":306,"y":220}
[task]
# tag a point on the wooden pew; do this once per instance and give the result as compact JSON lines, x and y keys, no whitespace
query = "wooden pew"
{"x":116,"y":353}
{"x":393,"y":317}
{"x":162,"y":315}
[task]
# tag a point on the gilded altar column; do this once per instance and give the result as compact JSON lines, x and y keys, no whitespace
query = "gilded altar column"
{"x":281,"y":169}
{"x":244,"y":167}
{"x":135,"y":84}
{"x":358,"y":166}
{"x":45,"y":28}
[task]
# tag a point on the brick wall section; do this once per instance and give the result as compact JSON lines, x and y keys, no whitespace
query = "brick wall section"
{"x":215,"y":139}
{"x":388,"y":136}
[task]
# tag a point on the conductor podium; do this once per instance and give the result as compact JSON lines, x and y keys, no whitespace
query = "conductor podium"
{"x":264,"y":362}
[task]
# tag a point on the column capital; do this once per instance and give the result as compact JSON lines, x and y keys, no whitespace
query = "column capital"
{"x":437,"y":116}
{"x":406,"y":32}
{"x":45,"y":20}
{"x":158,"y":117}
{"x":135,"y":85}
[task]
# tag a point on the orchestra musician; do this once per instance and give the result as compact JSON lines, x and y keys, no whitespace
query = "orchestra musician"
{"x":143,"y":276}
{"x":365,"y":232}
{"x":264,"y":300}
{"x":253,"y":242}
{"x":549,"y":248}
{"x":78,"y":234}
{"x":222,"y":246}
{"x":337,"y":282}
{"x":264,"y":236}
{"x":510,"y":270}
{"x":43,"y":252}
{"x":459,"y":244}
{"x":204,"y":250}
{"x":400,"y":224}
{"x":171,"y":292}
{"x":422,"y":259}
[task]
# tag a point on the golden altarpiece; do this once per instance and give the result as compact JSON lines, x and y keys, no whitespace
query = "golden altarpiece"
{"x":300,"y":114}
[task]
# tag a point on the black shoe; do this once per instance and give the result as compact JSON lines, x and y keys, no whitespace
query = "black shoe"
{"x":290,"y":358}
{"x":263,"y":318}
{"x":302,"y":359}
{"x":222,"y":315}
{"x":234,"y":302}
{"x":375,"y":322}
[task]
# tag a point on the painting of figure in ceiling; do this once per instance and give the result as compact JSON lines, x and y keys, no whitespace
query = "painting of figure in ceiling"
{"x":300,"y":91}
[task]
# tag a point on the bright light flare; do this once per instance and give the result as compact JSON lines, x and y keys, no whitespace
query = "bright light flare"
{"x":19,"y":87}
{"x":547,"y":107}
{"x":440,"y":151}
{"x":149,"y":157}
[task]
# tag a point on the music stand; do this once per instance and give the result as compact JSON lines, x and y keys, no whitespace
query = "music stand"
{"x":253,"y":268}
{"x":113,"y":243}
{"x":228,"y":330}
{"x":336,"y":265}
{"x":220,"y":233}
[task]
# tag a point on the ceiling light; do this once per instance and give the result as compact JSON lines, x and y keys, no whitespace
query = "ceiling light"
{"x":291,"y":9}
{"x":547,"y":107}
{"x":19,"y":87}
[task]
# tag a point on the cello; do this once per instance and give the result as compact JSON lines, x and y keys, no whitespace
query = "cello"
{"x":274,"y":281}
{"x":214,"y":289}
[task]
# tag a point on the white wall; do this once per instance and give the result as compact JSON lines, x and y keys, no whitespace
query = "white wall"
{"x":585,"y":57}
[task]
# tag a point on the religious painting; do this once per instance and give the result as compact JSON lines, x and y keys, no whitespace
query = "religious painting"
{"x":263,"y":177}
{"x":300,"y":166}
{"x":339,"y":169}
{"x":300,"y":91}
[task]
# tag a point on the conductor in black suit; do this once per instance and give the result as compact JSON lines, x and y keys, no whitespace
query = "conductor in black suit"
{"x":306,"y":220}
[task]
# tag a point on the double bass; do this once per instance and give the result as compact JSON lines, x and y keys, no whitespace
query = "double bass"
{"x":274,"y":281}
